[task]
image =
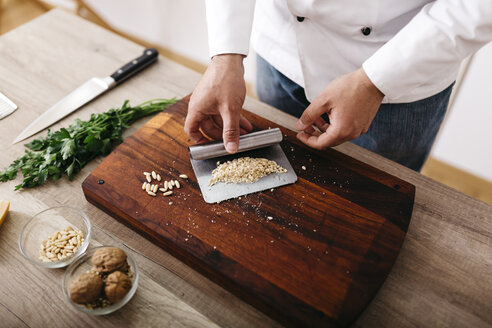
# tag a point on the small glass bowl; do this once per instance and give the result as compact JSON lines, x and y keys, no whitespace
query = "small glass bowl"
{"x":44,"y":224}
{"x":83,"y":265}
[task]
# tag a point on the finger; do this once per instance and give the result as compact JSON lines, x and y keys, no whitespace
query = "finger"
{"x":321,"y":124}
{"x":309,"y":130}
{"x":230,"y":133}
{"x":329,"y":138}
{"x":310,"y":114}
{"x":245,"y":125}
{"x":192,"y":126}
{"x":211,"y":128}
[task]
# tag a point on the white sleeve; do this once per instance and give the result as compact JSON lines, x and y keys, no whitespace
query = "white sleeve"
{"x":418,"y":59}
{"x":229,"y":25}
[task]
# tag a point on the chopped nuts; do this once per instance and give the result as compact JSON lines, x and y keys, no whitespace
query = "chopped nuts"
{"x":61,"y":245}
{"x":244,"y":170}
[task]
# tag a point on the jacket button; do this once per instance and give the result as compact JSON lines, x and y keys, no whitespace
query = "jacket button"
{"x":366,"y":30}
{"x":300,"y":19}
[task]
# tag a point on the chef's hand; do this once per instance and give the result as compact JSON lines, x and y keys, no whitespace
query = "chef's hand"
{"x":215,"y":105}
{"x":351,"y":102}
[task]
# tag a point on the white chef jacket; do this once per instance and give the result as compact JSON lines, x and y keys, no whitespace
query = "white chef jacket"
{"x":410,"y":49}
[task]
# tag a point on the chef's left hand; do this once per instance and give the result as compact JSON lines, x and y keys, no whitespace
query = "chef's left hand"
{"x":351,"y":102}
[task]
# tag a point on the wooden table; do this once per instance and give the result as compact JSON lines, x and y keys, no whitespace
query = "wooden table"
{"x":442,"y":277}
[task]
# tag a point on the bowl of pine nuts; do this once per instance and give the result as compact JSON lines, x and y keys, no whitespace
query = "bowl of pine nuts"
{"x":55,"y":237}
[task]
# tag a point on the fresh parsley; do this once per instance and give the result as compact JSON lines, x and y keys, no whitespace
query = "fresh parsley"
{"x":68,"y":150}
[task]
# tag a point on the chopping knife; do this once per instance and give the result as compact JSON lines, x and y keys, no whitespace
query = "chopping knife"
{"x":87,"y":92}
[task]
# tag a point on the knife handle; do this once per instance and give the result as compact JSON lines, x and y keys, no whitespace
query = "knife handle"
{"x":148,"y":57}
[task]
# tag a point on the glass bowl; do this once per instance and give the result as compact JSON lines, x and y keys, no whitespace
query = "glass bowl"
{"x":83,"y":265}
{"x":44,"y":224}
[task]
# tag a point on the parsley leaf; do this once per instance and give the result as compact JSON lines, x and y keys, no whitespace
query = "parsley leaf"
{"x":68,"y":150}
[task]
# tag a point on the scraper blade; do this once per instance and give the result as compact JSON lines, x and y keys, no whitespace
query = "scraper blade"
{"x":256,"y":149}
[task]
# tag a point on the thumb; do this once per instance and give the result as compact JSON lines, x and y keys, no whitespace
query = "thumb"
{"x":309,"y":116}
{"x":230,"y":132}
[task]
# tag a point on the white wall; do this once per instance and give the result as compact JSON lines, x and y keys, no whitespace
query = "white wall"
{"x":179,"y":26}
{"x":465,"y":140}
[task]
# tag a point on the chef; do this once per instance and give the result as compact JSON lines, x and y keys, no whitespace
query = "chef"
{"x":379,"y":73}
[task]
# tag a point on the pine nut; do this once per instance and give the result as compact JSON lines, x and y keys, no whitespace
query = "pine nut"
{"x":171,"y":183}
{"x":154,"y":190}
{"x":149,"y":179}
{"x":151,"y":193}
{"x":162,"y":189}
{"x":146,"y":173}
{"x":165,"y":185}
{"x":144,"y":185}
{"x":177,"y":184}
{"x":154,"y":175}
{"x":147,"y":187}
{"x":167,"y":193}
{"x":158,"y":177}
{"x":183,"y":176}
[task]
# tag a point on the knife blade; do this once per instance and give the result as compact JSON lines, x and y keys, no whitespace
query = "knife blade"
{"x":87,"y":92}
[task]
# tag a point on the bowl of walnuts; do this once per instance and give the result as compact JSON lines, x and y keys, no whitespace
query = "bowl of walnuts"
{"x":102,"y":281}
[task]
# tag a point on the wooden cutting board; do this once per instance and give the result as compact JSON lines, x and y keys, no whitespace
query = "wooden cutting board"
{"x":313,"y":253}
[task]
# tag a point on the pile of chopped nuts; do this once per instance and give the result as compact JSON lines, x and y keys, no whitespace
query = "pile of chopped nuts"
{"x":106,"y":283}
{"x":61,"y":245}
{"x":166,"y":188}
{"x":244,"y":170}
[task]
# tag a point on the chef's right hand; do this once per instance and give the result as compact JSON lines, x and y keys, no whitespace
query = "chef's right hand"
{"x":215,"y":105}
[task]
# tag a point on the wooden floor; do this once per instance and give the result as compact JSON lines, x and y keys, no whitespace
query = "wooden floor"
{"x":16,"y":12}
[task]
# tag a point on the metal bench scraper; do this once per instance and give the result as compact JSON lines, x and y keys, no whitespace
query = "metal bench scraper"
{"x":260,"y":144}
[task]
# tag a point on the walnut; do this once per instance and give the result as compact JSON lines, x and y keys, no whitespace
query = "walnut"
{"x":86,"y":288}
{"x":117,"y":286}
{"x":109,"y":259}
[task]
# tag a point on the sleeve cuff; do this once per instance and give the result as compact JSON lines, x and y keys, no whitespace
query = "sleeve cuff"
{"x":416,"y":63}
{"x":229,"y":26}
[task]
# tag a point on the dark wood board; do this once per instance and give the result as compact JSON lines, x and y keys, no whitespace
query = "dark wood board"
{"x":331,"y":241}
